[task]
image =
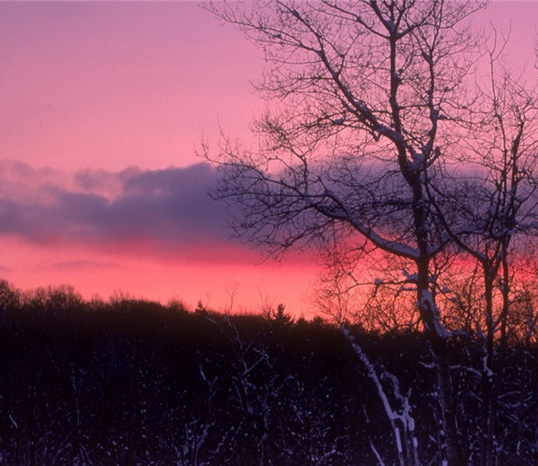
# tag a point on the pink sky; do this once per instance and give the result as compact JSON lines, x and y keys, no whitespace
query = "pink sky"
{"x":102,"y":106}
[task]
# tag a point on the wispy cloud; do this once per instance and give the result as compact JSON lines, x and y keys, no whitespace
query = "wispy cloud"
{"x":77,"y":265}
{"x":159,"y":212}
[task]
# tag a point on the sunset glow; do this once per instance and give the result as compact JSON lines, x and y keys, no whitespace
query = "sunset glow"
{"x":103,"y":108}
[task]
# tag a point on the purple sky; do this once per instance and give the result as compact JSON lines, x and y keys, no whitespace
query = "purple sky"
{"x":102,"y":107}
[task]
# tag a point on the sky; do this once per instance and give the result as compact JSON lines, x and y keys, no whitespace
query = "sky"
{"x":103,"y":106}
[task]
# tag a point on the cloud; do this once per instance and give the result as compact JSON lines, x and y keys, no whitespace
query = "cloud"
{"x":158,"y":212}
{"x":77,"y":265}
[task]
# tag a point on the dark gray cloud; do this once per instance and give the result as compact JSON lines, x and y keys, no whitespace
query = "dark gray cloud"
{"x":165,"y":212}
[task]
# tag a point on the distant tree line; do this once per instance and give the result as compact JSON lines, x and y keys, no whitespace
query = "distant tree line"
{"x":134,"y":382}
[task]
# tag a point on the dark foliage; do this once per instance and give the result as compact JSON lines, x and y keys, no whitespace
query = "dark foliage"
{"x":133,"y":382}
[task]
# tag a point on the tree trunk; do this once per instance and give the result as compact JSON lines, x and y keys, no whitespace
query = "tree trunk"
{"x":488,"y":394}
{"x":438,"y":340}
{"x":452,"y":447}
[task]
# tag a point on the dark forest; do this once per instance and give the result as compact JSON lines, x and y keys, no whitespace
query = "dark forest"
{"x":134,"y":382}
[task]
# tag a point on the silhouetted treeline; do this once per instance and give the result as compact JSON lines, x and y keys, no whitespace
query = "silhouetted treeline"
{"x":133,"y":382}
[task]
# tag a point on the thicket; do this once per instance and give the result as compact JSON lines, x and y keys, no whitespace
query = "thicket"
{"x":134,"y":382}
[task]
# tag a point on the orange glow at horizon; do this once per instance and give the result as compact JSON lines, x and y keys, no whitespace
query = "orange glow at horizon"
{"x":245,"y":286}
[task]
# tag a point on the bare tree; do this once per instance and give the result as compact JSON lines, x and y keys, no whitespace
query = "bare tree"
{"x":492,"y":207}
{"x":369,"y":106}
